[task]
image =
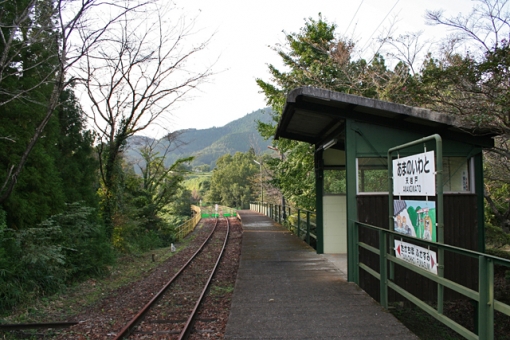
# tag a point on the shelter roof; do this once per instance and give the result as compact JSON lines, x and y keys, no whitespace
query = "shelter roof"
{"x":315,"y":115}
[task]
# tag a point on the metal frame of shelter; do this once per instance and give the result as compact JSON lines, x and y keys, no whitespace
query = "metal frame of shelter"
{"x":362,"y":128}
{"x":439,"y":209}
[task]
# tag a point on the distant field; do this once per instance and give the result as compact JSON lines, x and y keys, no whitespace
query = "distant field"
{"x":193,"y":181}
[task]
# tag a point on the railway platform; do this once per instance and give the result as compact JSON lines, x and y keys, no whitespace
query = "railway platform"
{"x":284,"y":290}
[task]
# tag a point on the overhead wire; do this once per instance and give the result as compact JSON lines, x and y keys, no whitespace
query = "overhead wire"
{"x":368,"y":40}
{"x":354,"y":16}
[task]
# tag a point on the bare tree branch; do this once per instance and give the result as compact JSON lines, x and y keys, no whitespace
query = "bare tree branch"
{"x":135,"y":76}
{"x":487,"y":24}
{"x":73,"y":18}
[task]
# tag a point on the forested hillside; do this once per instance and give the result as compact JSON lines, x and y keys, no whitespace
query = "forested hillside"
{"x":207,"y":145}
{"x":69,"y":201}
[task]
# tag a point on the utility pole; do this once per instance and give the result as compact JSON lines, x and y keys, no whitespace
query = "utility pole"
{"x":261,"y":188}
{"x":282,"y":158}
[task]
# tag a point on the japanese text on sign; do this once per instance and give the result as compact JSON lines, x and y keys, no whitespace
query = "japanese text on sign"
{"x":419,"y":256}
{"x":414,"y":175}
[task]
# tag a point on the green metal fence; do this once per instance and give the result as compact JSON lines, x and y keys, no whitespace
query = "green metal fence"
{"x":484,"y":296}
{"x":299,"y":221}
{"x":222,"y":211}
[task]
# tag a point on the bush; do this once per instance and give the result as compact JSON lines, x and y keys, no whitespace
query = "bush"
{"x":495,"y":237}
{"x":131,"y":236}
{"x":32,"y":266}
{"x":147,"y":240}
{"x":40,"y":261}
{"x":87,"y":249}
{"x":498,"y":252}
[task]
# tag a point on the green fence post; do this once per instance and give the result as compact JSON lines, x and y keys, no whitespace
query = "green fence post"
{"x":383,"y":269}
{"x":308,"y":227}
{"x":355,"y":254}
{"x":298,"y":222}
{"x":486,"y":303}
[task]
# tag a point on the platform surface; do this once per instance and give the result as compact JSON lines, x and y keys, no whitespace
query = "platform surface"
{"x":284,"y":290}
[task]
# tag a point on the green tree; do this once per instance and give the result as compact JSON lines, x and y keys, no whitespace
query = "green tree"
{"x":180,"y":205}
{"x":471,"y":79}
{"x":41,"y":41}
{"x":231,"y":181}
{"x":132,"y":82}
{"x":61,"y":168}
{"x":317,"y":56}
{"x":151,"y":201}
{"x":75,"y":154}
{"x":160,"y":185}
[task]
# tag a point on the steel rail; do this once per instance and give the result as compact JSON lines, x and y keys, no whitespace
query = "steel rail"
{"x":187,"y":328}
{"x":127,"y":328}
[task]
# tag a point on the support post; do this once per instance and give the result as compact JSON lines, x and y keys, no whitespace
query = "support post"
{"x":383,"y":269}
{"x":352,"y":209}
{"x":298,"y":222}
{"x":308,"y":227}
{"x":486,"y":303}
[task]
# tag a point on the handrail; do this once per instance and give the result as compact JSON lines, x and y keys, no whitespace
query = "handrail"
{"x":299,"y":227}
{"x":487,"y":304}
{"x":187,"y":227}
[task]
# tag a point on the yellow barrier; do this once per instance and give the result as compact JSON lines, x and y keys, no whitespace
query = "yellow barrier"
{"x":187,"y":227}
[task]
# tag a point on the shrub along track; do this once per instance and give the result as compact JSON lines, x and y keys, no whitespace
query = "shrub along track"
{"x":108,"y":316}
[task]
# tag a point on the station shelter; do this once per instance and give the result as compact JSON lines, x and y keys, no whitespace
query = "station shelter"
{"x":352,"y":136}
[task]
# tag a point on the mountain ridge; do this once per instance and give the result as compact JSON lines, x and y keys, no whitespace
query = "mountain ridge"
{"x":206,"y":145}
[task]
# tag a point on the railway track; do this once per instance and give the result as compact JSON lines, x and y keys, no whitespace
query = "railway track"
{"x":170,"y":314}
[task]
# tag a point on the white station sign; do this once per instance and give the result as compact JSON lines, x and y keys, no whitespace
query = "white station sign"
{"x":415,"y":175}
{"x":419,"y":256}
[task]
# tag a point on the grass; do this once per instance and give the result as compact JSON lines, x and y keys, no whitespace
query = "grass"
{"x":73,"y":299}
{"x":219,"y":291}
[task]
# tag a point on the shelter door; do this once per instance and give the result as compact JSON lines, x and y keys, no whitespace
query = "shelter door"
{"x":335,"y":224}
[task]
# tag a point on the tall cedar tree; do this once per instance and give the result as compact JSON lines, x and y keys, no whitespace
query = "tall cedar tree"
{"x":39,"y":192}
{"x":316,"y":56}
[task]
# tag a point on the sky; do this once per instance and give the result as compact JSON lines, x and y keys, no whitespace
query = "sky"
{"x":244,"y":32}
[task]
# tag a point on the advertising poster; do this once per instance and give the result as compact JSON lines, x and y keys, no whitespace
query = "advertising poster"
{"x":415,"y":218}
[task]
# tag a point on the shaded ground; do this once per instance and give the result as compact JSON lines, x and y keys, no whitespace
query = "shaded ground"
{"x":102,"y":304}
{"x":91,"y":295}
{"x":462,"y":312}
